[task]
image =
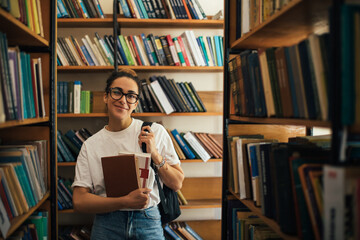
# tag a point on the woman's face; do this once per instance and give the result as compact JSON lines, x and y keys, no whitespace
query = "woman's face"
{"x":121,"y":109}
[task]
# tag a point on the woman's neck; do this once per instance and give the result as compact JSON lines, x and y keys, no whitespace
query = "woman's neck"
{"x":115,"y":126}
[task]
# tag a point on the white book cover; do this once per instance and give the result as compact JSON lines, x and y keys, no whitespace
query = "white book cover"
{"x":164,"y":101}
{"x":197,"y":48}
{"x":142,"y":50}
{"x":74,"y":52}
{"x":188,"y":45}
{"x":146,"y":180}
{"x":187,"y":49}
{"x":89,"y":45}
{"x":97,"y":53}
{"x":192,"y":47}
{"x":41,"y":88}
{"x":240,"y":156}
{"x":88,"y":48}
{"x":245,"y":16}
{"x":196,"y":145}
{"x":61,"y":55}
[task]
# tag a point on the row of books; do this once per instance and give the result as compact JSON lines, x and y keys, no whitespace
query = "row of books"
{"x":26,"y":11}
{"x":179,"y":231}
{"x":192,"y":145}
{"x":81,"y":232}
{"x":34,"y":228}
{"x":244,"y":224}
{"x":289,"y":82}
{"x":21,"y":84}
{"x":69,"y":144}
{"x":79,"y":9}
{"x":23,"y":175}
{"x":250,"y":14}
{"x":139,"y":50}
{"x":159,"y":94}
{"x":168,"y":9}
{"x":288,"y":190}
{"x":71,"y":99}
{"x":64,"y":193}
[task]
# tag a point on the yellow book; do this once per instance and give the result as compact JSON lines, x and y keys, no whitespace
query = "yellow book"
{"x":40,"y":18}
{"x":182,"y":197}
{"x":35,"y":16}
{"x":29,"y":18}
{"x":14,"y":8}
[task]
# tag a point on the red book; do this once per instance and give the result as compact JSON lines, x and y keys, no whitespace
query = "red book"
{"x":181,"y":43}
{"x":173,"y":50}
{"x":137,"y":56}
{"x":5,"y":200}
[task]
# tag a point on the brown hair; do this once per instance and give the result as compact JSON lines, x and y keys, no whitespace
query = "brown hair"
{"x":125,"y":72}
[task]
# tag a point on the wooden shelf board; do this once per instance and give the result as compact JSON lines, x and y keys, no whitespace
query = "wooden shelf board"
{"x":67,"y":211}
{"x":15,"y":123}
{"x":17,"y":221}
{"x":307,"y":15}
{"x":283,"y":121}
{"x":355,"y":129}
{"x":203,"y":203}
{"x":138,"y":68}
{"x":152,"y":114}
{"x":270,"y":222}
{"x":19,"y":34}
{"x":70,"y":164}
{"x":138,"y":23}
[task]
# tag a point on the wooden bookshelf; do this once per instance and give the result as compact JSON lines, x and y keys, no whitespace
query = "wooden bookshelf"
{"x":283,"y":121}
{"x":138,"y":23}
{"x":15,"y":123}
{"x":270,"y":222}
{"x":307,"y":15}
{"x":203,"y":203}
{"x":138,"y":68}
{"x":17,"y":221}
{"x":19,"y":34}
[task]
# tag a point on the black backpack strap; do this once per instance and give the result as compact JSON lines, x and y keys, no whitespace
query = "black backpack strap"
{"x":161,"y":192}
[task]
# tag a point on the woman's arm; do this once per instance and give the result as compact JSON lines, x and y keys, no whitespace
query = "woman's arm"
{"x":84,"y":201}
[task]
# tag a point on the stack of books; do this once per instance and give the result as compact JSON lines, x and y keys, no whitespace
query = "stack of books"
{"x":71,"y":99}
{"x":69,"y":144}
{"x":23,"y":178}
{"x":159,"y":94}
{"x":288,"y":82}
{"x":21,"y":84}
{"x":168,"y":9}
{"x":139,"y":50}
{"x":79,"y":9}
{"x":180,"y":230}
{"x":192,"y":145}
{"x":27,"y":12}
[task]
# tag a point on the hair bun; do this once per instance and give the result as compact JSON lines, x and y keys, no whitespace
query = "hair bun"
{"x":128,"y":71}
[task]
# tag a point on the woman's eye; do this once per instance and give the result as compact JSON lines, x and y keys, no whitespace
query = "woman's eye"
{"x":132,"y":96}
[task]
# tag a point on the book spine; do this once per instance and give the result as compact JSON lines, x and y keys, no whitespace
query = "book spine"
{"x":178,"y":50}
{"x":167,"y":52}
{"x":183,"y":145}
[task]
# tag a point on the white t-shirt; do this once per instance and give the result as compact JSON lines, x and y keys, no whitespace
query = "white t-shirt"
{"x":88,"y":171}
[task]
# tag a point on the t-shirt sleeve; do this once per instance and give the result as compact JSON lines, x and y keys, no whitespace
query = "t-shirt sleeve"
{"x":82,"y":171}
{"x":166,"y":148}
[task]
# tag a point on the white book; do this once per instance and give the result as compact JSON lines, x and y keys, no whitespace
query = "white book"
{"x":12,"y":84}
{"x":197,"y":48}
{"x":245,"y":16}
{"x":77,"y":96}
{"x":160,"y":94}
{"x":103,"y":56}
{"x":178,"y":50}
{"x":136,"y":10}
{"x":98,"y":54}
{"x":320,"y":75}
{"x":172,"y":14}
{"x":61,"y":55}
{"x":142,"y":50}
{"x":155,"y":98}
{"x":189,"y":47}
{"x":35,"y":86}
{"x":197,"y":10}
{"x":196,"y":145}
{"x":88,"y":48}
{"x":2,"y":108}
{"x":94,"y":52}
{"x":146,"y":176}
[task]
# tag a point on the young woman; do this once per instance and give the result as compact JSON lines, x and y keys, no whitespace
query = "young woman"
{"x":134,"y":216}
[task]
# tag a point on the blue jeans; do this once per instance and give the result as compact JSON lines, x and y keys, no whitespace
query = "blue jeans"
{"x":142,"y":224}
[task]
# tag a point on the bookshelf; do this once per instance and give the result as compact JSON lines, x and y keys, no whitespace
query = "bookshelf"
{"x":37,"y":128}
{"x":212,"y":98}
{"x":286,"y":27}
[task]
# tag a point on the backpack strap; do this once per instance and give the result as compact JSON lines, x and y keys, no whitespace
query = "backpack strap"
{"x":143,"y":146}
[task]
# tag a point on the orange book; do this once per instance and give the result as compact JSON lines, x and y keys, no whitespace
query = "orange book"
{"x":186,"y":9}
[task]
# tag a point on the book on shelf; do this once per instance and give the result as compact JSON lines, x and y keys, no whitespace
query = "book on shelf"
{"x":134,"y":170}
{"x":197,"y":146}
{"x":79,"y":9}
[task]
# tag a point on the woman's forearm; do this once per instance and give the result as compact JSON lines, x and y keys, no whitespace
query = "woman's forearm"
{"x":172,"y":176}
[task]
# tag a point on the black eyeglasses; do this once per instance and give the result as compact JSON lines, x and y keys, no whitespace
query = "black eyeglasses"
{"x":116,"y":94}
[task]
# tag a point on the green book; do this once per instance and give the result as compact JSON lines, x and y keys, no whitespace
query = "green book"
{"x":192,"y":95}
{"x":126,"y":50}
{"x":82,"y":102}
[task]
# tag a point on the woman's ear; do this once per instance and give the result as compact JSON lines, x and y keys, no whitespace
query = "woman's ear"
{"x":105,"y":98}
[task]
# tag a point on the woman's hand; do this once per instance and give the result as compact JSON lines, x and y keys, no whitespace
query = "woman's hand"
{"x":149,"y":139}
{"x":138,"y":198}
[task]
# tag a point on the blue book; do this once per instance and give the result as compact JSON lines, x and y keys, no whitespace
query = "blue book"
{"x":58,"y":61}
{"x":142,"y":9}
{"x":191,"y":231}
{"x":291,"y":83}
{"x":185,"y":97}
{"x":59,"y":156}
{"x":168,"y":230}
{"x":191,"y":8}
{"x":84,"y":9}
{"x":62,"y":9}
{"x":125,"y":8}
{"x":120,"y":49}
{"x":72,"y":137}
{"x":87,"y":55}
{"x":58,"y":14}
{"x":24,"y":99}
{"x":184,"y":147}
{"x":111,"y":48}
{"x":99,"y":8}
{"x":30,"y":87}
{"x":217,"y":50}
{"x":139,"y":9}
{"x":208,"y":39}
{"x":147,"y":49}
{"x":65,"y":97}
{"x":220,"y":39}
{"x":64,"y":150}
{"x":25,"y":185}
{"x":206,"y":54}
{"x":202,"y":51}
{"x":189,"y":98}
